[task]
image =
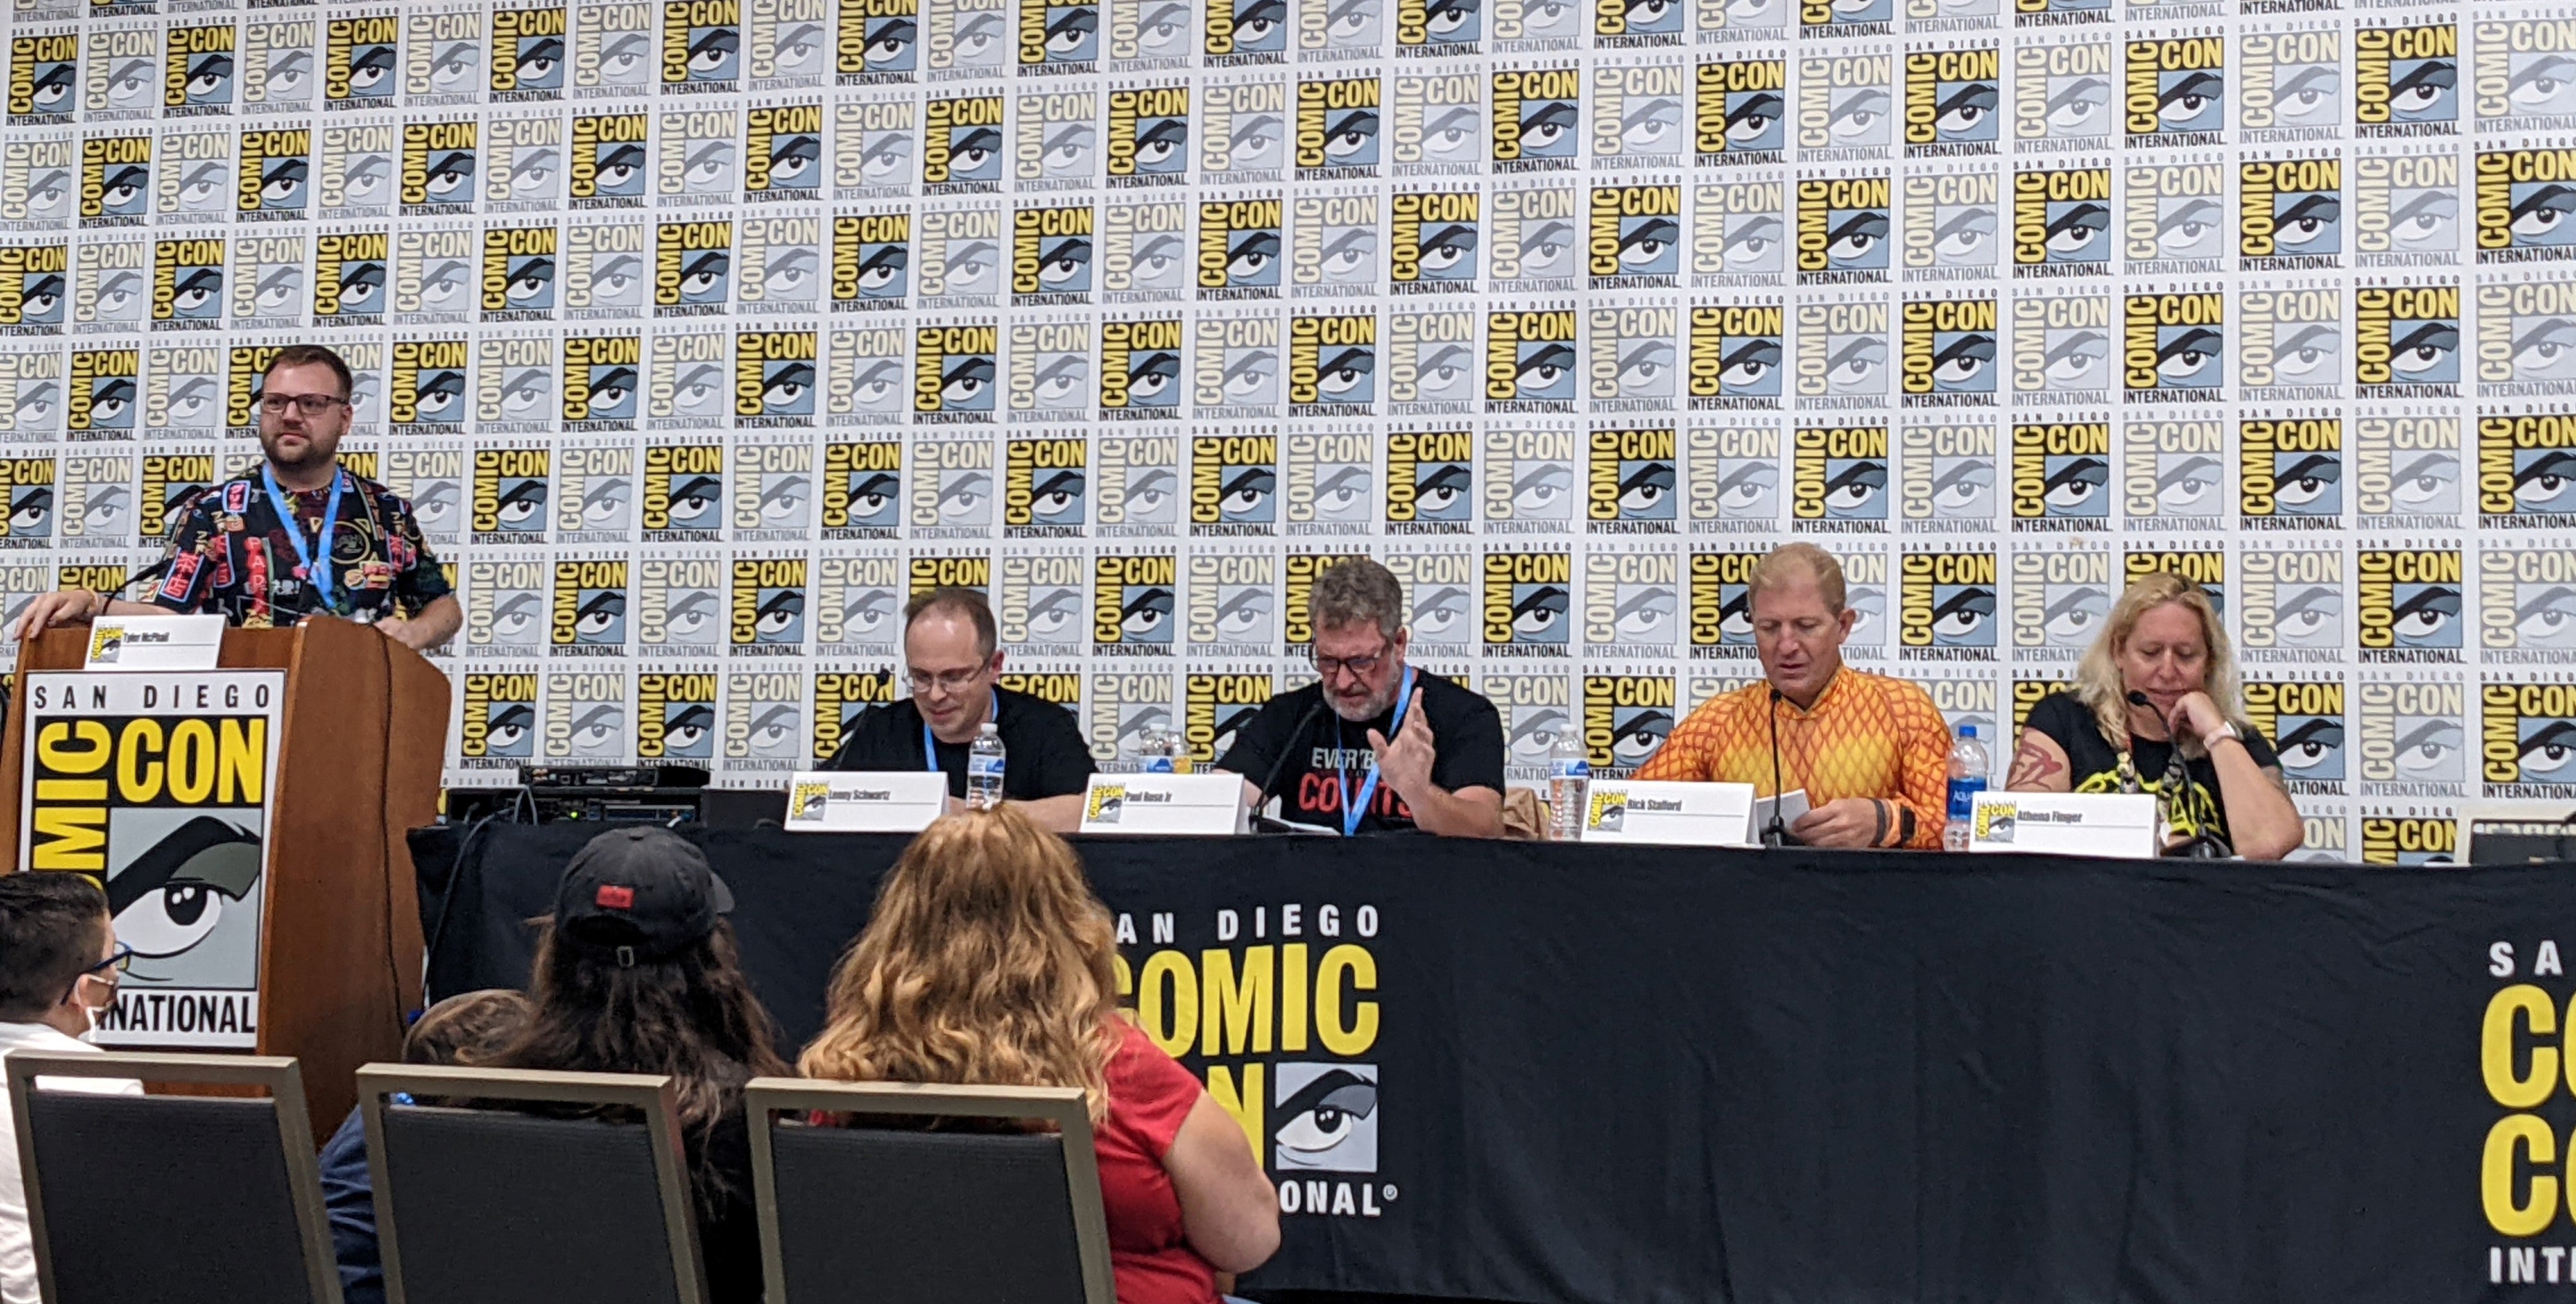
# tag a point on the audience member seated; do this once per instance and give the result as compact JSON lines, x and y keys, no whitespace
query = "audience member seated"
{"x":58,"y":965}
{"x":637,"y":973}
{"x":464,"y":1029}
{"x":989,"y":962}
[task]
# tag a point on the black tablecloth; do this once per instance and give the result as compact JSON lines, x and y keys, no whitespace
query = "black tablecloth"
{"x":1629,"y":1075}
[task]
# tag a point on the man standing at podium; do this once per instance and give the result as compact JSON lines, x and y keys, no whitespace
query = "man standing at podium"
{"x":302,"y":536}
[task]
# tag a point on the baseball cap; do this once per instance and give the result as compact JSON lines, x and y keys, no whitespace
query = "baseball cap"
{"x":638,"y":894}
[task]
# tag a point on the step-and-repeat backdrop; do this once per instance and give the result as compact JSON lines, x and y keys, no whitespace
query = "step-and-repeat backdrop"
{"x":702,"y":332}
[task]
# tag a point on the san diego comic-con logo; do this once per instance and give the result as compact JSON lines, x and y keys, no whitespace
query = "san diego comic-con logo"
{"x":1844,"y":107}
{"x":602,"y":377}
{"x":1630,"y":477}
{"x":425,"y":385}
{"x":952,"y":488}
{"x":1332,"y":365}
{"x":1233,"y":604}
{"x":528,"y":54}
{"x":876,"y":41}
{"x":1635,"y":237}
{"x":1041,"y":603}
{"x":2289,"y":214}
{"x":1951,"y":222}
{"x":683,"y":492}
{"x":1337,"y":128}
{"x":1735,"y":356}
{"x":2290,"y":84}
{"x":2290,"y":344}
{"x":589,"y":608}
{"x":1328,"y":479}
{"x":516,"y":383}
{"x":2061,"y":476}
{"x":2292,"y":604}
{"x":701,"y":46}
{"x":187,"y":284}
{"x":510,"y":487}
{"x":609,"y":160}
{"x":505,"y":611}
{"x":1829,"y":18}
{"x":1534,"y":235}
{"x":1946,"y":605}
{"x":862,"y":489}
{"x":356,"y":171}
{"x":358,"y":61}
{"x":2304,"y":718}
{"x":2406,"y":341}
{"x":275,"y":168}
{"x":692,"y":268}
{"x":500,"y":717}
{"x":2172,"y":345}
{"x":767,"y":606}
{"x":1057,"y":39}
{"x":1432,"y":239}
{"x":443,"y":52}
{"x":27,"y":485}
{"x":2411,"y":604}
{"x":1625,"y":719}
{"x":1134,"y":601}
{"x":197,"y":70}
{"x":1946,"y":352}
{"x":773,"y":378}
{"x":44,"y":71}
{"x":2527,"y":739}
{"x":2175,"y":91}
{"x":35,"y":283}
{"x":961,"y":146}
{"x":782,"y":152}
{"x":1838,"y":474}
{"x":871,"y":260}
{"x":1233,"y":484}
{"x":1140,"y":369}
{"x":1044,"y":487}
{"x":1528,"y":603}
{"x":438,"y":167}
{"x":594,"y":493}
{"x":2289,"y":473}
{"x":1438,"y":28}
{"x":675,"y":716}
{"x":2206,"y":569}
{"x":518,"y":273}
{"x":1056,"y":141}
{"x":1721,"y":613}
{"x":2406,"y":80}
{"x":1740,"y":111}
{"x":2526,"y":470}
{"x":1216,"y":707}
{"x":101,"y":395}
{"x":1531,"y":361}
{"x":1636,"y":24}
{"x":2524,"y":198}
{"x":1538,"y":116}
{"x":954,"y":369}
{"x":1953,"y":102}
{"x":2406,"y":210}
{"x":1629,"y":602}
{"x":1239,"y":249}
{"x":1051,"y":252}
{"x":1149,"y":136}
{"x":1430,"y":482}
{"x":115,"y":181}
{"x":1843,"y":229}
{"x":1244,"y":31}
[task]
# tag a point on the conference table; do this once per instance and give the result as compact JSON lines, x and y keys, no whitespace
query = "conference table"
{"x":1621,"y":1075}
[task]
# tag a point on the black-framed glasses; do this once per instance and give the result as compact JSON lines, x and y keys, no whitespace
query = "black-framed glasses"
{"x":308,"y":406}
{"x":1325,"y":666}
{"x":122,"y":961}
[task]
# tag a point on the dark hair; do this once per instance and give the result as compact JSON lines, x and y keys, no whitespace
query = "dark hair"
{"x":301,"y":355}
{"x":51,"y":925}
{"x":468,"y":1028}
{"x":967,"y":602}
{"x":692,"y":1016}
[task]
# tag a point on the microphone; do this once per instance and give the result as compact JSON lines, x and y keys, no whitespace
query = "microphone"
{"x":1286,"y":749}
{"x":1778,"y":834}
{"x":2176,"y":782}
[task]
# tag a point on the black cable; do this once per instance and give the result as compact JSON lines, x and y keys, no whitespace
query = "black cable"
{"x":1778,"y":834}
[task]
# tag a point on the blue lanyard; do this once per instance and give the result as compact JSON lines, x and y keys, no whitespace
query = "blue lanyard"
{"x":930,"y":745}
{"x":319,"y":576}
{"x":1352,"y":811}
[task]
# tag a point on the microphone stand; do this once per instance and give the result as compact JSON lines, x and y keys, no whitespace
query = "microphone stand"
{"x":1778,"y":834}
{"x":2203,"y":845}
{"x":1286,"y":749}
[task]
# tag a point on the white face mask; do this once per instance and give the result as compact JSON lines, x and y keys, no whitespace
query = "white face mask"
{"x":89,"y":1017}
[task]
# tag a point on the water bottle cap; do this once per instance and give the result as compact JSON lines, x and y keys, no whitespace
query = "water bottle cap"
{"x":1967,"y":731}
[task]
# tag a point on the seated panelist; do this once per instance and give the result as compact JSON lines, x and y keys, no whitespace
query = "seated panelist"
{"x":1374,"y":745}
{"x":951,"y":657}
{"x":1872,"y":752}
{"x":2162,"y":670}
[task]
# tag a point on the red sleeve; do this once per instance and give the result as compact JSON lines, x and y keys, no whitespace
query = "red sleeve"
{"x":1149,"y":1091}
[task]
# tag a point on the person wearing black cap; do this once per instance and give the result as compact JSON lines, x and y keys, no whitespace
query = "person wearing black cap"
{"x":951,"y":655}
{"x":636,"y":972}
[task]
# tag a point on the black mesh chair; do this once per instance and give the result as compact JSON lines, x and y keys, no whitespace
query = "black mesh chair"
{"x":490,"y":1203}
{"x":904,"y":1216}
{"x":226,"y":1186}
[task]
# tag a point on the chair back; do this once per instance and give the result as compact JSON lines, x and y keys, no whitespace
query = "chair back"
{"x":135,"y":1199}
{"x":509,"y":1186}
{"x":927,"y":1217}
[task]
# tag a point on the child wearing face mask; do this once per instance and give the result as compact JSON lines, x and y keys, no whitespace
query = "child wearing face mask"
{"x":59,"y":963}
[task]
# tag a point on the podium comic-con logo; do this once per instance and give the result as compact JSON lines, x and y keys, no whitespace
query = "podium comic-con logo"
{"x":701,"y":46}
{"x":1953,"y":102}
{"x":1842,"y":230}
{"x":1528,"y":603}
{"x":961,"y":145}
{"x":2289,"y":214}
{"x":44,"y":71}
{"x":1239,"y":247}
{"x":1838,"y":473}
{"x":1735,"y":357}
{"x":2061,"y":222}
{"x":1140,"y":369}
{"x":2406,"y":341}
{"x":1946,"y":352}
{"x":500,"y":716}
{"x":1133,"y":604}
{"x":2305,"y":721}
{"x":1625,"y":718}
{"x":1051,"y":256}
{"x":1430,"y":482}
{"x":358,"y":58}
{"x":115,"y":180}
{"x":1721,"y":604}
{"x":2406,"y":80}
{"x":876,"y":41}
{"x":1332,"y":364}
{"x":1630,"y":476}
{"x":1740,"y":111}
{"x":2527,"y":739}
{"x":2411,"y":604}
{"x":675,"y":716}
{"x":2524,"y":198}
{"x":1149,"y":136}
{"x":275,"y":167}
{"x":768,"y":605}
{"x":609,"y":160}
{"x":1946,"y":605}
{"x":1636,"y":237}
{"x":2526,"y":605}
{"x":2289,"y":473}
{"x":871,"y":257}
{"x":1337,"y":128}
{"x":528,"y":54}
{"x":953,"y":372}
{"x":602,"y":375}
{"x":1044,"y":487}
{"x":101,"y":395}
{"x":2175,"y":91}
{"x":197,"y":70}
{"x":1234,"y":482}
{"x":2061,"y":476}
{"x":1538,"y":119}
{"x":510,"y":486}
{"x":1432,"y":242}
{"x":2172,"y":345}
{"x":2526,"y":470}
{"x":589,"y":609}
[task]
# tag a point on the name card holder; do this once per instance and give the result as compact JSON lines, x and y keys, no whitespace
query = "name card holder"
{"x":1669,"y":814}
{"x":172,"y":642}
{"x":2119,"y":825}
{"x":1196,"y":805}
{"x":865,"y":801}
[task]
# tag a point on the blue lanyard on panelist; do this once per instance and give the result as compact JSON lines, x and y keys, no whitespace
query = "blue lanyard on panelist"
{"x":317,"y":574}
{"x":930,"y":746}
{"x":1353,"y":811}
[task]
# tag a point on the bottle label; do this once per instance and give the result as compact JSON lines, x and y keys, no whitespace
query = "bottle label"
{"x":1576,"y":769}
{"x":1158,"y":765}
{"x":1963,"y":797}
{"x":984,"y":767}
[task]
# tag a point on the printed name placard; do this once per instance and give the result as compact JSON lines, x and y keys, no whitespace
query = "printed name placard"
{"x":866,"y":801}
{"x":1206,"y":805}
{"x":1673,"y":814}
{"x":155,"y":643}
{"x":2065,"y":823}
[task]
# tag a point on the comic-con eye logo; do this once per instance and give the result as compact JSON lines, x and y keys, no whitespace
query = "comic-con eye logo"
{"x":961,"y":145}
{"x":876,"y":40}
{"x":701,"y":44}
{"x":1946,"y":600}
{"x":116,"y":180}
{"x":1740,"y":113}
{"x":197,"y":69}
{"x":769,"y":603}
{"x":675,"y":716}
{"x":589,"y":604}
{"x":601,"y":379}
{"x":500,"y":716}
{"x":187,"y":282}
{"x":510,"y":491}
{"x":1735,"y":353}
{"x":1234,"y":481}
{"x":2527,"y":337}
{"x":2290,"y":469}
{"x":1051,"y":255}
{"x":609,"y":160}
{"x":518,"y":273}
{"x":2410,"y":602}
{"x":2407,"y":341}
{"x":1149,"y":136}
{"x":1430,"y":24}
{"x":2177,"y":90}
{"x":438,"y":166}
{"x":683,"y":487}
{"x":1132,"y":603}
{"x":954,"y":369}
{"x":349,"y":277}
{"x":1618,"y":24}
{"x":1721,"y":604}
{"x":783,"y":151}
{"x":2290,"y":213}
{"x":1430,"y":478}
{"x":27,"y":483}
{"x":871,"y":257}
{"x":1946,"y":348}
{"x":1636,"y":236}
{"x":2061,"y":471}
{"x":1953,"y":100}
{"x":692,"y":267}
{"x":1432,"y":242}
{"x":43,"y":72}
{"x":1239,"y":246}
{"x":2206,"y":569}
{"x":1845,"y":17}
{"x":1332,"y":361}
{"x":102,"y":395}
{"x":773,"y":374}
{"x":1838,"y":473}
{"x":2528,"y":739}
{"x":1337,"y":128}
{"x":2305,"y":721}
{"x":358,"y":60}
{"x":1237,"y":28}
{"x":1054,"y":35}
{"x":862,"y":488}
{"x":1043,"y":485}
{"x":1531,"y":358}
{"x":1140,"y":368}
{"x":527,"y":53}
{"x":2061,"y":221}
{"x":2526,"y":467}
{"x":2406,"y":80}
{"x":34,"y":283}
{"x":1630,"y":477}
{"x":2174,"y":342}
{"x":1529,"y":600}
{"x":1842,"y":230}
{"x":1538,"y":120}
{"x":275,"y":166}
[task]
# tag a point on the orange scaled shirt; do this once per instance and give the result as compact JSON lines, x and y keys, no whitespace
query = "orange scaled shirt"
{"x":1867,"y":736}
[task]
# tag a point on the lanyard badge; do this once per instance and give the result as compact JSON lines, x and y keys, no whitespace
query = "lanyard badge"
{"x":1352,"y":811}
{"x":317,"y":574}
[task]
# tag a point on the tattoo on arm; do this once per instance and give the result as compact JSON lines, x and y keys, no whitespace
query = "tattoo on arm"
{"x":2032,"y":764}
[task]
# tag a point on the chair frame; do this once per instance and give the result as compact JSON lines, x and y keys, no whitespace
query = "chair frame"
{"x":285,"y":1086}
{"x":656,"y":1094}
{"x":1065,"y":1107}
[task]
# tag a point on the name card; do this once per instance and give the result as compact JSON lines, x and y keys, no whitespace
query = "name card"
{"x":1202,"y":805}
{"x":155,"y":643}
{"x":2115,"y":824}
{"x":1669,"y":814}
{"x":865,"y":801}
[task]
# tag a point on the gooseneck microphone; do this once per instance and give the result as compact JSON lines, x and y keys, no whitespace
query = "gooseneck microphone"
{"x":2203,"y":845}
{"x":1286,"y":750}
{"x":1778,"y":834}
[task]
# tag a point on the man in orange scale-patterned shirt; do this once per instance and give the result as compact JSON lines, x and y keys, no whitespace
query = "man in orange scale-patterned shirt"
{"x":1872,"y":752}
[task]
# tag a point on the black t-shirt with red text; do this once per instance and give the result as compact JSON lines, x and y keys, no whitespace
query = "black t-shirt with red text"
{"x":1330,"y":752}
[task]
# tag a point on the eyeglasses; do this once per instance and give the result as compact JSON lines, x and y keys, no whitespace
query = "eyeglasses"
{"x":121,"y":962}
{"x":1326,"y":666}
{"x":306,"y":405}
{"x":946,"y":681}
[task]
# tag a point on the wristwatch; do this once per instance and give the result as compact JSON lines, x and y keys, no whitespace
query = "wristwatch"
{"x":2225,"y":729}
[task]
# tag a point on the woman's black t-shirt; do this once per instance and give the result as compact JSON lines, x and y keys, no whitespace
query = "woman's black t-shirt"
{"x":2093,"y":764}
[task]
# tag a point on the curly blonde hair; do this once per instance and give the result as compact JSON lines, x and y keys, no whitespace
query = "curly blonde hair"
{"x":2105,"y":692}
{"x":988,"y":961}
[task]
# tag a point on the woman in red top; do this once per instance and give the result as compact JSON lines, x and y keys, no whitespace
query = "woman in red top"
{"x":989,"y":962}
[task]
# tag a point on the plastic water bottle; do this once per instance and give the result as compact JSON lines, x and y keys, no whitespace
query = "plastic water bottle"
{"x":1569,"y":786}
{"x":984,"y":763}
{"x":1968,"y":770}
{"x":1154,"y":752}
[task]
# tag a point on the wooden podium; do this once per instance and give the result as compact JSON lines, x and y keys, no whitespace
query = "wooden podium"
{"x":363,"y":740}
